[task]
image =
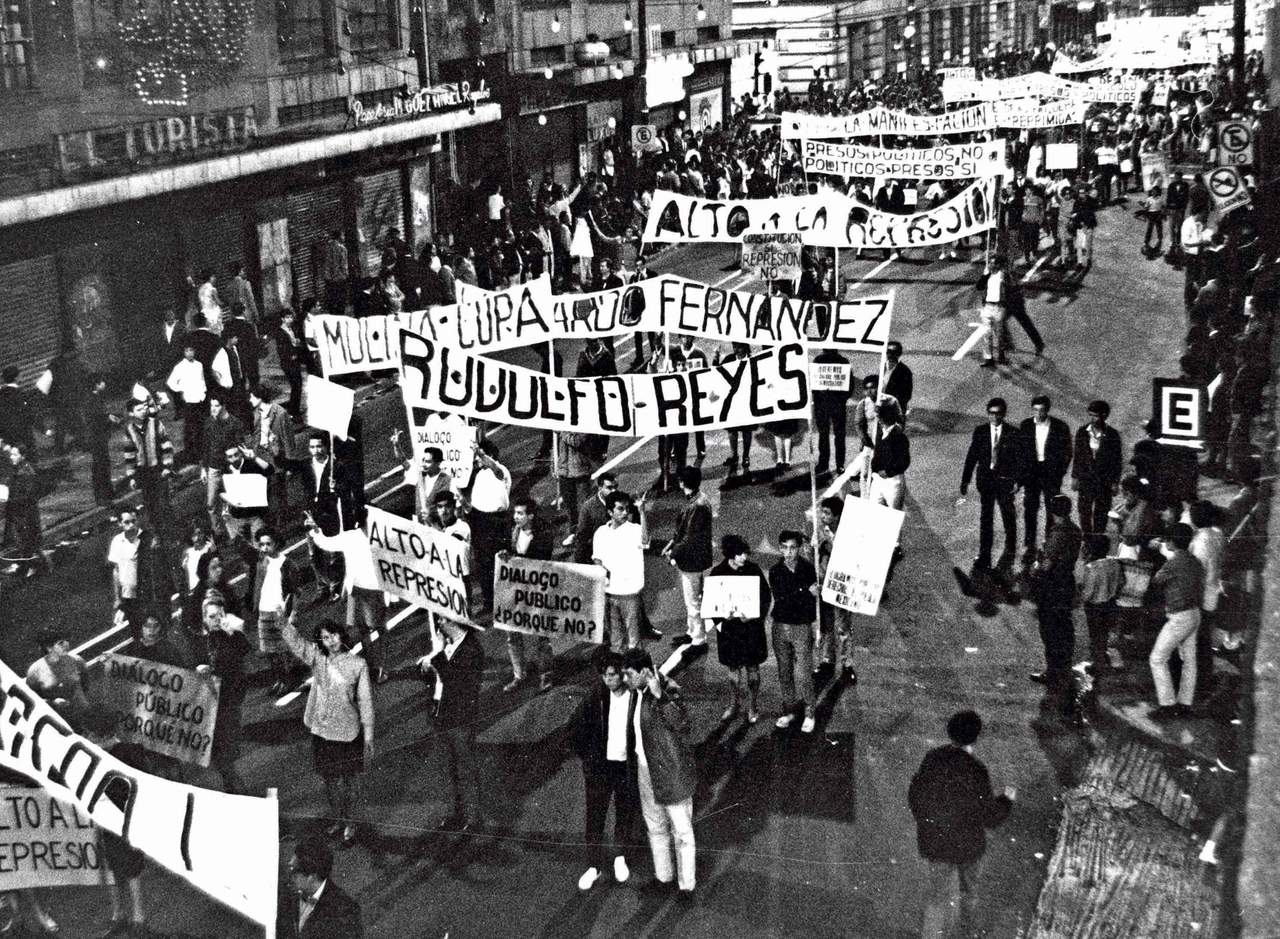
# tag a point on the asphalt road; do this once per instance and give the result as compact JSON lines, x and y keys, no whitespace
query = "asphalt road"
{"x":797,"y":836}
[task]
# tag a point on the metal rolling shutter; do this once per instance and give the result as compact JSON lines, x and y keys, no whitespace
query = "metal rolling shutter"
{"x":312,"y":215}
{"x":140,"y":269}
{"x":381,"y":207}
{"x":30,"y":316}
{"x":214,"y":241}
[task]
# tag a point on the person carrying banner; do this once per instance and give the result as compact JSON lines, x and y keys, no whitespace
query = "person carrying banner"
{"x":741,"y":644}
{"x":273,"y":441}
{"x":689,"y":552}
{"x":793,"y":582}
{"x":339,"y":714}
{"x":995,"y":298}
{"x":329,"y":507}
{"x":529,"y":538}
{"x":830,"y":416}
{"x":489,"y":498}
{"x":601,"y":730}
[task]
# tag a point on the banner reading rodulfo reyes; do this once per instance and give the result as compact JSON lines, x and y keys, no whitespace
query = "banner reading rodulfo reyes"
{"x":770,"y":386}
{"x":658,"y":304}
{"x":1037,"y":84}
{"x":225,"y":845}
{"x":831,"y":220}
{"x":958,"y":161}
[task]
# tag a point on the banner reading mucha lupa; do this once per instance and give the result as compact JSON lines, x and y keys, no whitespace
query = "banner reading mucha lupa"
{"x":830,"y":221}
{"x":769,"y":386}
{"x":225,"y":845}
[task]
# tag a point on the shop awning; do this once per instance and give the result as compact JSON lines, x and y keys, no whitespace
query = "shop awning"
{"x":162,"y":180}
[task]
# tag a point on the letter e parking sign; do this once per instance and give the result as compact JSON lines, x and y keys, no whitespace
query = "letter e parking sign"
{"x":1180,"y":410}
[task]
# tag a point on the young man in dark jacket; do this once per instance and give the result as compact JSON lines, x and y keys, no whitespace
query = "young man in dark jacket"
{"x":690,"y":553}
{"x":1055,"y":589}
{"x":602,"y":729}
{"x":459,"y":671}
{"x":953,"y":804}
{"x":1096,"y":464}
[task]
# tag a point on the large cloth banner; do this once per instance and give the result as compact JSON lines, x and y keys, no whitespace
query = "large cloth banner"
{"x":769,"y":386}
{"x":549,"y":598}
{"x":224,"y":845}
{"x":797,"y":125}
{"x":419,"y":564}
{"x":860,"y":556}
{"x":830,"y":221}
{"x":167,"y":710}
{"x":1038,"y":85}
{"x":47,"y":843}
{"x":959,"y":161}
{"x":1029,"y":114}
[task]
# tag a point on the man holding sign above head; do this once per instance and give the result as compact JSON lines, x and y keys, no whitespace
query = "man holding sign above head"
{"x":533,"y":540}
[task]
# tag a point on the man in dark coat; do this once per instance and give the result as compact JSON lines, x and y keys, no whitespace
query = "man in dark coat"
{"x":953,"y":804}
{"x":17,"y":417}
{"x":593,"y":515}
{"x":1046,"y":454}
{"x":899,"y":382}
{"x":459,"y":669}
{"x":316,"y":907}
{"x":1055,"y":589}
{"x":830,"y":413}
{"x":995,"y":453}
{"x":529,"y":538}
{"x":1095,"y":468}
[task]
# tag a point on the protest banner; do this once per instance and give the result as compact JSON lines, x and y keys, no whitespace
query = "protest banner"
{"x":244,"y":490}
{"x":1038,"y":85}
{"x":189,"y":831}
{"x":1155,"y":169}
{"x":831,"y":221}
{"x":549,"y":598}
{"x":419,"y":564}
{"x":881,"y":120}
{"x":829,"y":376}
{"x":455,"y":438}
{"x":161,"y":708}
{"x":959,"y":161}
{"x":860,"y":556}
{"x":1061,"y":156}
{"x":1160,"y":95}
{"x":958,"y":71}
{"x":773,"y":257}
{"x":328,"y":405}
{"x":47,"y":843}
{"x":731,"y":595}
{"x":768,"y":386}
{"x":1029,"y":114}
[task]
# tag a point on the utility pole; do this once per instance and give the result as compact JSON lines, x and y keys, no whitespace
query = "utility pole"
{"x":1237,"y":53}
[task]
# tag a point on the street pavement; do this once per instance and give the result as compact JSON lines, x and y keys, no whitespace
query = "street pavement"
{"x":797,"y":835}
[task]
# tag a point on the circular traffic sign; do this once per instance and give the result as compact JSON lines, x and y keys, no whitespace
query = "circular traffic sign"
{"x":1224,"y":182}
{"x":1235,"y":137}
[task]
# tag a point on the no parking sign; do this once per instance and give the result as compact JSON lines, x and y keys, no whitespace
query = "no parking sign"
{"x":1180,"y":410}
{"x":1235,"y":143}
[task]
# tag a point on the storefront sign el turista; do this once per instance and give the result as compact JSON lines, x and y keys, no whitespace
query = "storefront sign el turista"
{"x":158,"y":140}
{"x":423,"y":101}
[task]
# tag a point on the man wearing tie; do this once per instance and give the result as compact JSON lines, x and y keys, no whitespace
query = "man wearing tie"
{"x":330,"y":510}
{"x":320,"y":909}
{"x":898,"y":380}
{"x":1046,"y":442}
{"x":994,"y":452}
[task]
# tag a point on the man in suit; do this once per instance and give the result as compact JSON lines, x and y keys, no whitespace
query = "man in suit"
{"x":173,"y":339}
{"x":995,"y":453}
{"x":316,"y":907}
{"x":329,"y":506}
{"x":273,"y":441}
{"x":593,"y":515}
{"x":458,"y":665}
{"x":1055,"y":589}
{"x":1096,"y":467}
{"x":898,"y":380}
{"x":830,"y":411}
{"x":1046,"y":454}
{"x":529,"y":538}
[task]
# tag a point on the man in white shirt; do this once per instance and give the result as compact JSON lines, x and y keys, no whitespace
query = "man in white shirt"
{"x":1194,"y":237}
{"x":618,"y":547}
{"x":490,"y":520}
{"x":126,"y":555}
{"x":446,"y":519}
{"x":210,"y":303}
{"x":187,"y":381}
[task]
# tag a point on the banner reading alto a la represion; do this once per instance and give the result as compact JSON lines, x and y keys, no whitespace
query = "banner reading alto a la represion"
{"x":765,"y":387}
{"x":190,"y":831}
{"x":419,"y":564}
{"x":831,"y":220}
{"x":46,"y":842}
{"x":167,"y":710}
{"x":549,"y":598}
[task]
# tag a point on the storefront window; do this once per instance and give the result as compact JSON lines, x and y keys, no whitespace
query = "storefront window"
{"x":957,"y":33}
{"x":937,"y":37}
{"x":305,"y":29}
{"x":17,"y":60}
{"x":373,"y":24}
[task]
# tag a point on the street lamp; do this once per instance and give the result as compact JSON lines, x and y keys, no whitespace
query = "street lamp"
{"x":627,"y":22}
{"x":702,"y":13}
{"x":555,"y":23}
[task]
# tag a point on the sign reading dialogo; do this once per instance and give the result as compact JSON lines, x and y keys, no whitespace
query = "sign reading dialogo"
{"x":549,"y":598}
{"x":167,"y":710}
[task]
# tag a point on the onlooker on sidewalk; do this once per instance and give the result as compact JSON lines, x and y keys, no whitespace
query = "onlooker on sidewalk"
{"x":1182,"y":580}
{"x":98,"y":421}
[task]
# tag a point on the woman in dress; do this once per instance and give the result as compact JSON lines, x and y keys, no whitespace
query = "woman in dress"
{"x":339,"y":715}
{"x":741,"y":645}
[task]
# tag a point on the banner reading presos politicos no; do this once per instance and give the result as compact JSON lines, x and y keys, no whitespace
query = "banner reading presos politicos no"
{"x":549,"y":598}
{"x":765,"y":387}
{"x":188,"y":830}
{"x":956,"y":161}
{"x":167,"y":710}
{"x":830,"y":221}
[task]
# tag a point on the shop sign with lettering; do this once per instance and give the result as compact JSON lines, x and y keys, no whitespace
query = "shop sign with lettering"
{"x":420,"y":102}
{"x":160,"y":140}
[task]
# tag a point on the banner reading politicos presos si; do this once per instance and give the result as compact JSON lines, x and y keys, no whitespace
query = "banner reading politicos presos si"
{"x":766,"y":387}
{"x":832,"y":220}
{"x":958,"y":161}
{"x":190,"y":831}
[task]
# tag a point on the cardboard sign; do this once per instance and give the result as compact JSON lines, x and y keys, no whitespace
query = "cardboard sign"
{"x":1181,"y":411}
{"x":1227,"y":189}
{"x":419,"y":564}
{"x":798,"y":125}
{"x":47,"y":843}
{"x":730,"y":595}
{"x":644,"y":138}
{"x":860,"y":556}
{"x":167,"y":710}
{"x":1061,"y":156}
{"x":244,"y":490}
{"x":768,"y":386}
{"x":1038,"y":85}
{"x":190,"y":831}
{"x":455,"y":438}
{"x":549,"y":598}
{"x":832,"y":220}
{"x":328,"y":405}
{"x":1235,"y":143}
{"x":1155,"y":168}
{"x":1160,"y":95}
{"x":961,"y":161}
{"x":830,"y":376}
{"x":773,"y":257}
{"x":958,"y":71}
{"x":1030,"y":115}
{"x":1107,"y":156}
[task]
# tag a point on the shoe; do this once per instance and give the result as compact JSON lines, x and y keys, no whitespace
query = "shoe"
{"x":679,"y":641}
{"x":588,"y":878}
{"x":546,"y":683}
{"x":684,"y":897}
{"x":1028,"y":557}
{"x":808,"y":725}
{"x":657,"y":888}
{"x":1165,"y":712}
{"x":276,"y":689}
{"x":621,"y":873}
{"x":696,"y":649}
{"x":349,"y":836}
{"x":988,"y":363}
{"x":729,"y":461}
{"x":568,"y":541}
{"x":650,"y":634}
{"x":515,"y":683}
{"x":1039,"y":352}
{"x":822,"y":674}
{"x":753,"y":716}
{"x":1185,"y":710}
{"x":335,"y":595}
{"x":729,"y":713}
{"x":785,"y":721}
{"x":1040,"y":678}
{"x":47,"y":923}
{"x":848,"y":675}
{"x":334,"y":830}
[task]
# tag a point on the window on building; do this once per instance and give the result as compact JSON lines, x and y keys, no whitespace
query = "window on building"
{"x":977,"y":31}
{"x":1004,"y":23}
{"x":892,"y":40}
{"x":860,"y":48}
{"x":542,"y":56}
{"x":957,"y":33}
{"x":305,"y":29}
{"x":17,"y":51}
{"x":708,"y":34}
{"x":374,"y":25}
{"x":668,"y":38}
{"x":937,"y":37}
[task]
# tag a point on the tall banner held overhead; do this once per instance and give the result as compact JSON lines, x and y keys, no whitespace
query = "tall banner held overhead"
{"x":768,"y":386}
{"x":860,"y":556}
{"x":329,"y":406}
{"x":797,"y":125}
{"x":831,"y":221}
{"x":959,"y":161}
{"x":226,"y":846}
